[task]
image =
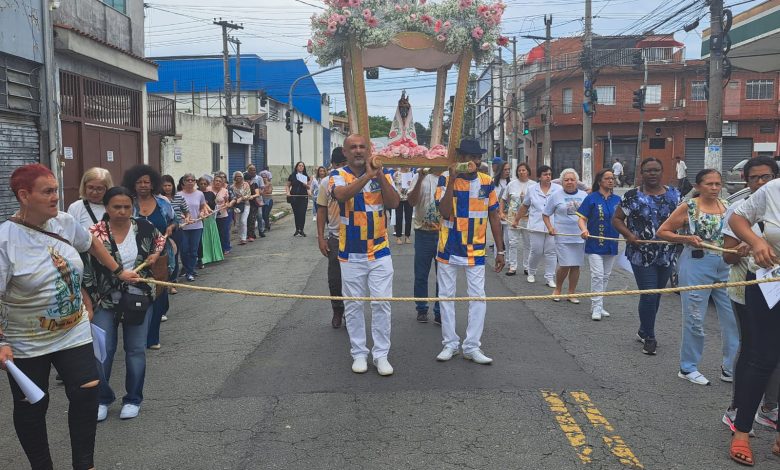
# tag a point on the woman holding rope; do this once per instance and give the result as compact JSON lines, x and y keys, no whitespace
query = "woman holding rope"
{"x":569,"y":250}
{"x":44,"y":313}
{"x":241,"y":192}
{"x":89,"y":209}
{"x":511,"y":203}
{"x":144,"y":183}
{"x":131,"y":243}
{"x":701,"y":218}
{"x":595,"y":215}
{"x":210,"y":250}
{"x":762,"y":323}
{"x":641,"y":213}
{"x":542,"y":244}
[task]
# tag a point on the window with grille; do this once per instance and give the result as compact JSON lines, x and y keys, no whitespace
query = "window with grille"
{"x":606,"y":95}
{"x":567,"y":101}
{"x":697,"y":91}
{"x":118,"y":5}
{"x":653,"y":94}
{"x":760,"y":89}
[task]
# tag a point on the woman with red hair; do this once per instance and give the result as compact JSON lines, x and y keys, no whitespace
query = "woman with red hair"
{"x":44,"y":313}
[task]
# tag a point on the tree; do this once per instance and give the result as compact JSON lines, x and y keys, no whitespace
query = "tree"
{"x":423,"y":134}
{"x":379,"y":125}
{"x":468,"y":113}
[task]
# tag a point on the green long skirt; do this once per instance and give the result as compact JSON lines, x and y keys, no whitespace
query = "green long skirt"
{"x":212,"y":247}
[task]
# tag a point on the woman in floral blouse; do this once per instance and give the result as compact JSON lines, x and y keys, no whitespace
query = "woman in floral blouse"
{"x":131,"y":242}
{"x":702,"y":220}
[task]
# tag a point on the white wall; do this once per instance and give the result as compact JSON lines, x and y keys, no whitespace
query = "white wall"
{"x":309,"y":152}
{"x":194,"y":136}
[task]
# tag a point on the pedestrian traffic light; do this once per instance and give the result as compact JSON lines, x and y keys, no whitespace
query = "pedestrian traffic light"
{"x":526,"y":128}
{"x":288,"y":124}
{"x":299,"y":127}
{"x":639,"y":99}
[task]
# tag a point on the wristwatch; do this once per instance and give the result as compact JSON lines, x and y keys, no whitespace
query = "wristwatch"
{"x":118,"y":270}
{"x":500,"y":253}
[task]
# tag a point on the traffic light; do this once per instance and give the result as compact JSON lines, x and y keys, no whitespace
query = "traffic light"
{"x":299,"y":127}
{"x":639,"y":99}
{"x":637,"y":61}
{"x":526,"y":128}
{"x":263,"y":99}
{"x":372,"y":73}
{"x":288,"y":124}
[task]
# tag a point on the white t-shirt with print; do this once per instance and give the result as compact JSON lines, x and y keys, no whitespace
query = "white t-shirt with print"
{"x":764,"y":206}
{"x":563,"y":206}
{"x":40,"y":279}
{"x":79,"y":212}
{"x":426,"y":214}
{"x":514,"y":194}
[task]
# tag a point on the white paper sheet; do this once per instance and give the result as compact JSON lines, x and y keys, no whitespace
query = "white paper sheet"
{"x":99,"y":342}
{"x":771,"y":290}
{"x":302,"y":178}
{"x":30,"y":390}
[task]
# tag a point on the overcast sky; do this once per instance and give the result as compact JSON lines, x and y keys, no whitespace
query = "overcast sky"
{"x":279,"y":29}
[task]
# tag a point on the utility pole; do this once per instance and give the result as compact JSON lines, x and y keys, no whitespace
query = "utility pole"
{"x":501,"y":136}
{"x":515,"y":104}
{"x":638,"y":160}
{"x":713,"y":152}
{"x":546,"y":145}
{"x":589,"y":103}
{"x":238,"y":73}
{"x":226,"y":25}
{"x":291,"y":109}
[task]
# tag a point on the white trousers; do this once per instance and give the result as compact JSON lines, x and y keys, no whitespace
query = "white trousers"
{"x":363,"y":279}
{"x":447,"y":275}
{"x":517,"y":238}
{"x":241,"y":220}
{"x":542,"y":245}
{"x":600,"y":269}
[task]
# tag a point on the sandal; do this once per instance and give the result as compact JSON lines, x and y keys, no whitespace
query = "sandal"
{"x":741,"y":453}
{"x":573,"y":300}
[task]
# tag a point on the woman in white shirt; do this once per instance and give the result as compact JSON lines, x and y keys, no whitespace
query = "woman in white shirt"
{"x":501,"y":180}
{"x":510,"y":205}
{"x":570,"y":250}
{"x":89,"y":209}
{"x":541,"y":243}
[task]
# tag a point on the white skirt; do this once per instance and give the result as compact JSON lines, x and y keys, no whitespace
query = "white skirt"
{"x":570,"y":254}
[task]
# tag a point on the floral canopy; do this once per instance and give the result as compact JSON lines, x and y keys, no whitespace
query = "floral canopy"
{"x":426,"y":36}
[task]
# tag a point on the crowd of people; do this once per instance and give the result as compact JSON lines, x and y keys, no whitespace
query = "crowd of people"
{"x":65,"y":273}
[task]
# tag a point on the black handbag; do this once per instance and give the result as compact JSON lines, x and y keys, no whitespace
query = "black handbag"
{"x":131,"y":308}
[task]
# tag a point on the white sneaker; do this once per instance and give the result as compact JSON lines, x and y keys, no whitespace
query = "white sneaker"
{"x":477,"y":356}
{"x":164,"y":318}
{"x":596,"y":315}
{"x":446,"y":354}
{"x":360,"y":365}
{"x":604,"y":313}
{"x":531,"y":279}
{"x":383,"y":366}
{"x":129,"y":411}
{"x":694,"y":377}
{"x":551,"y":284}
{"x":102,"y":413}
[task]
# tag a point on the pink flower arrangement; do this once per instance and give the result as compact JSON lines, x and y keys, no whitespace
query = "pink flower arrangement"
{"x":367,"y":14}
{"x":354,"y":3}
{"x":398,"y":8}
{"x":413,"y":16}
{"x":427,"y":19}
{"x":310,"y":46}
{"x":422,"y":2}
{"x":485,"y":46}
{"x":372,"y":22}
{"x":465,"y":4}
{"x":477,"y":33}
{"x":441,"y":38}
{"x":437,"y":26}
{"x":447,"y":25}
{"x":437,"y":151}
{"x":332,"y":27}
{"x":502,"y":41}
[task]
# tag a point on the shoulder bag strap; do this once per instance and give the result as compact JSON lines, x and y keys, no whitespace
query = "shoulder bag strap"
{"x":89,"y":210}
{"x":19,"y":221}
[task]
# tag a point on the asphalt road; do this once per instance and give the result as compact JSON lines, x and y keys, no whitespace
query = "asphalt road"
{"x":258,"y":383}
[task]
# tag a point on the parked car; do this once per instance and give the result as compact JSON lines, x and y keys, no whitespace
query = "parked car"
{"x":734,"y":180}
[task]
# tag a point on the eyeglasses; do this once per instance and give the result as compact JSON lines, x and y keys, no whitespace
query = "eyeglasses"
{"x":95,"y":189}
{"x":652,"y":170}
{"x":608,"y":178}
{"x":762,"y":178}
{"x":189,"y":180}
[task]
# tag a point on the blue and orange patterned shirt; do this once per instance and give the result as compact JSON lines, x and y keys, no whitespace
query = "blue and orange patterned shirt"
{"x":462,"y":237}
{"x":362,"y":232}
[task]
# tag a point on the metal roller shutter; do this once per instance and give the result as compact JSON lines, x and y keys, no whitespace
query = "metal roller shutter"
{"x":566,"y":154}
{"x":19,"y":145}
{"x":735,"y":149}
{"x":259,"y":154}
{"x":236,"y":159}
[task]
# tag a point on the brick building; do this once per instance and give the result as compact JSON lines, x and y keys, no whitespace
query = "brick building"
{"x":676,"y":107}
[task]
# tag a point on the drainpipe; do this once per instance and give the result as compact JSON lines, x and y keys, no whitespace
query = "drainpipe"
{"x":50,"y":101}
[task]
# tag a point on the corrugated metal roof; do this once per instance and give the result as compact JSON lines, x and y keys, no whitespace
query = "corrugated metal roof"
{"x":274,"y":76}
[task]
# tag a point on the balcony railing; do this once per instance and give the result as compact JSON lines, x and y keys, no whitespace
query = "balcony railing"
{"x":617,"y":57}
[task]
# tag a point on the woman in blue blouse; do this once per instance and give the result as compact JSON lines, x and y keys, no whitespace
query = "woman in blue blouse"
{"x":596,"y":214}
{"x":641,"y":213}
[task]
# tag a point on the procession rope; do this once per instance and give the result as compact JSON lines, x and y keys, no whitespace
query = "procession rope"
{"x":660,"y":242}
{"x":278,"y":295}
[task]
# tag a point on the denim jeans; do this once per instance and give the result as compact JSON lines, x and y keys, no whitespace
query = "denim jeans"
{"x":134,"y":343}
{"x":425,"y":243}
{"x":223,"y":225}
{"x":268,"y":205}
{"x":159,"y":308}
{"x":190,"y":239}
{"x":707,"y":270}
{"x":650,"y":277}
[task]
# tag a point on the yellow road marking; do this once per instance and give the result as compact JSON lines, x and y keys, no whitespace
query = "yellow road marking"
{"x":568,"y":425}
{"x":614,"y":442}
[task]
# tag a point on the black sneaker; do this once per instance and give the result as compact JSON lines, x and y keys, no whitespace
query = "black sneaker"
{"x":649,"y":347}
{"x":262,"y":234}
{"x":422,"y":317}
{"x":437,"y":320}
{"x":640,"y":337}
{"x":525,"y":271}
